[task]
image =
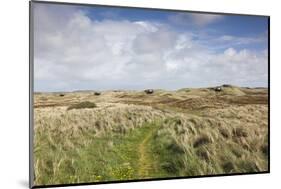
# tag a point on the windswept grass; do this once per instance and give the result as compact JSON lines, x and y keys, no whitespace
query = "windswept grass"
{"x":112,"y":156}
{"x":197,"y":146}
{"x":128,"y":135}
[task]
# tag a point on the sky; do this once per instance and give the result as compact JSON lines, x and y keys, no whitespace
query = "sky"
{"x":109,"y":48}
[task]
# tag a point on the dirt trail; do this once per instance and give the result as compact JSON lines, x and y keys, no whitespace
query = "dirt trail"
{"x":146,"y":163}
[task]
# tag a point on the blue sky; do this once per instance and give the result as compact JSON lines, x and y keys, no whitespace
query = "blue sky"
{"x":128,"y":48}
{"x":231,"y":24}
{"x":235,"y":25}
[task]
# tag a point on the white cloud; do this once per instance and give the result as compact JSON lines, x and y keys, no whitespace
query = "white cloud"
{"x":230,"y":52}
{"x":74,"y":52}
{"x":233,"y":40}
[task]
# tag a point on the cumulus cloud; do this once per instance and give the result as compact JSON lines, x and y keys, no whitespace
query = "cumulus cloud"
{"x":75,"y":52}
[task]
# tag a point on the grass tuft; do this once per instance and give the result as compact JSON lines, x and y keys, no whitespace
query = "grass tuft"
{"x":239,"y":132}
{"x":228,"y":166}
{"x":203,"y":139}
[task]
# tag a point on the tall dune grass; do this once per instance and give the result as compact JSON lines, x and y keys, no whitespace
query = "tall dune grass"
{"x":101,"y":143}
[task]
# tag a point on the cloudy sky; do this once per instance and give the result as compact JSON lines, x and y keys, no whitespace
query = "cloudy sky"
{"x":101,"y":48}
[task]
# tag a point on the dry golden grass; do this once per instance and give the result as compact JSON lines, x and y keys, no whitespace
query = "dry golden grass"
{"x":186,"y":132}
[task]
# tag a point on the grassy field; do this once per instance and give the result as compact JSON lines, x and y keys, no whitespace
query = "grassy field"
{"x":122,"y":135}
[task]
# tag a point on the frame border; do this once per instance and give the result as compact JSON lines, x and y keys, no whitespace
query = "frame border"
{"x":31,"y":93}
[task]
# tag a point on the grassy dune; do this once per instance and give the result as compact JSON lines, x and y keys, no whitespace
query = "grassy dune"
{"x":123,"y":135}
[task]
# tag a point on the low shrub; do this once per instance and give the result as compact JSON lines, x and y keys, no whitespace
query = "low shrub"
{"x":82,"y":105}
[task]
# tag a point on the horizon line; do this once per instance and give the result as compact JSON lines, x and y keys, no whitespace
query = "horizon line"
{"x":98,"y":90}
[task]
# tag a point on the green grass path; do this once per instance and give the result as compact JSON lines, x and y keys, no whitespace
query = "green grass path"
{"x":135,"y":150}
{"x":113,"y":157}
{"x":146,"y":163}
